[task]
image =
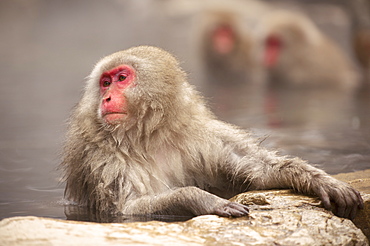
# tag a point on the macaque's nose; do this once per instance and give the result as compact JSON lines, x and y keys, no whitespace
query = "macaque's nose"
{"x":107,"y":99}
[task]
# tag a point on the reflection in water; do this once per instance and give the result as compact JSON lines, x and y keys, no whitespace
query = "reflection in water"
{"x":309,"y":108}
{"x":79,"y":213}
{"x":325,"y":127}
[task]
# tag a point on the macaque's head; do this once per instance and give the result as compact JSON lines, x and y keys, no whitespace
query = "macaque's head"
{"x":288,"y":35}
{"x":130,"y":84}
{"x":223,"y":39}
{"x":113,"y":84}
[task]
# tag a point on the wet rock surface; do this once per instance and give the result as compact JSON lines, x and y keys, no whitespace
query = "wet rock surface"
{"x":277,"y":217}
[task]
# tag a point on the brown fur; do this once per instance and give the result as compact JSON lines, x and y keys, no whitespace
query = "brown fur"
{"x":171,"y":152}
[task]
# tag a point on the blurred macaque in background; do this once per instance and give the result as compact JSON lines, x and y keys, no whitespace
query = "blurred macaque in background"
{"x":297,"y":54}
{"x":224,"y":49}
{"x":309,"y":76}
{"x":260,"y":58}
{"x":360,"y":10}
{"x":227,"y":49}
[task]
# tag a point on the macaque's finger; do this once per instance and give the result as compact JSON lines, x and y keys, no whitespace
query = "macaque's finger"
{"x":360,"y":202}
{"x":221,"y":212}
{"x":353,"y":213}
{"x":239,"y":209}
{"x":352,"y":204}
{"x":356,"y":204}
{"x":341,"y":202}
{"x":325,"y":199}
{"x":232,"y":209}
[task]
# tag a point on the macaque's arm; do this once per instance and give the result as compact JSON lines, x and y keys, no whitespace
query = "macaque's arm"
{"x":268,"y":171}
{"x":187,"y":201}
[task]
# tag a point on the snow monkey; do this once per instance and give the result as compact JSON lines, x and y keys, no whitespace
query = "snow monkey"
{"x":142,"y":142}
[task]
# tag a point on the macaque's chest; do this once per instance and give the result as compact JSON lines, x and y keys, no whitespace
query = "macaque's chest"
{"x":168,"y":169}
{"x":157,"y":171}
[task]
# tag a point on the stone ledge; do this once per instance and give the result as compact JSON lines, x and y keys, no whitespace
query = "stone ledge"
{"x":277,"y":218}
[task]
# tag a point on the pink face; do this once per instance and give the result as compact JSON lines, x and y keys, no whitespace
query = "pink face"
{"x":113,"y":84}
{"x":273,"y":48}
{"x":223,"y":40}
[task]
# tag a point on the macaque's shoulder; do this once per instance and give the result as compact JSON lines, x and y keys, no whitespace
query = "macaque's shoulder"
{"x":227,"y":132}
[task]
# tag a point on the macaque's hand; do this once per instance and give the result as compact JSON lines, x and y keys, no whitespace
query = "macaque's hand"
{"x":346,"y":199}
{"x":232,"y":209}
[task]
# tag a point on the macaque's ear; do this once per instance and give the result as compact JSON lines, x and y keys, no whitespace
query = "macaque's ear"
{"x":273,"y":46}
{"x":223,"y":39}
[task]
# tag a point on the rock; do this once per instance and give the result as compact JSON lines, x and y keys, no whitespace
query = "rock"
{"x":359,"y":180}
{"x":275,"y":201}
{"x":362,"y":219}
{"x":277,"y":218}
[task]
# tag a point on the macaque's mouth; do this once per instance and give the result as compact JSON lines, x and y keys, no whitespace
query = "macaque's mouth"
{"x":109,"y":113}
{"x":112,"y":117}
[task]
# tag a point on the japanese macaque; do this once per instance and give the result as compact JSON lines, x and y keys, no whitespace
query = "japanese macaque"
{"x":227,"y":42}
{"x":296,"y":53}
{"x":310,"y":79}
{"x":142,"y":142}
{"x":225,"y":51}
{"x":226,"y":56}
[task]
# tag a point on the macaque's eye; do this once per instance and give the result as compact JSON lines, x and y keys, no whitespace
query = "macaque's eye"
{"x":121,"y":78}
{"x":106,"y":83}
